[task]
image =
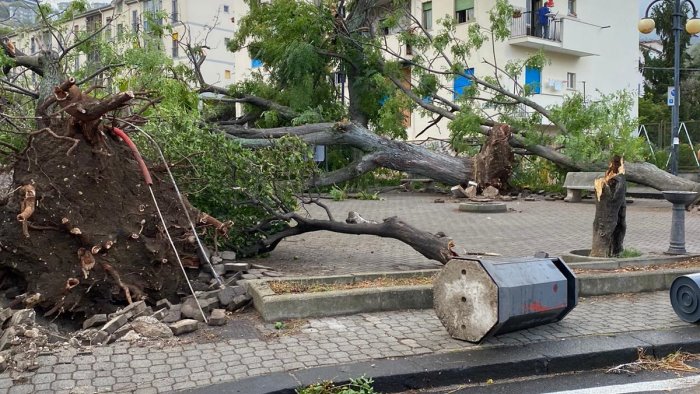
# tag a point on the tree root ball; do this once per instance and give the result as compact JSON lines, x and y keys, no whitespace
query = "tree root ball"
{"x":81,"y":254}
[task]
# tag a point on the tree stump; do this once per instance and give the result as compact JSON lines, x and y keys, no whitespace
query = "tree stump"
{"x":609,"y":225}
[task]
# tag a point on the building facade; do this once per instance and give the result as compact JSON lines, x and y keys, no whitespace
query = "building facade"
{"x":211,"y":26}
{"x":591,"y":45}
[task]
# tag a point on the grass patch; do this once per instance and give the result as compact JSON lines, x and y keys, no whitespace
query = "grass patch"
{"x":631,"y":252}
{"x":296,"y":287}
{"x":338,"y":194}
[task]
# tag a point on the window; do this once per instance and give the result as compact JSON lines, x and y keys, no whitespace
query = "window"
{"x":464,"y":10}
{"x":383,"y":29}
{"x":176,"y":48}
{"x":255,"y":63}
{"x":571,"y":81}
{"x":226,"y":9}
{"x":533,"y":79}
{"x":227,"y":74}
{"x":572,"y":7}
{"x":108,"y":29}
{"x":174,"y":16}
{"x":428,"y":15}
{"x":462,"y":82}
{"x":120,"y":7}
{"x":33,"y":46}
{"x":120,"y":30}
{"x":135,"y":21}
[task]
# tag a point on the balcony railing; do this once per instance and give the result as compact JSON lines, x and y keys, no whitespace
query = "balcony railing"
{"x":526,"y":25}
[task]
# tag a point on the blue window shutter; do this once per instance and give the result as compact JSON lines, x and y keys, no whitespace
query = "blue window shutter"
{"x":255,"y":63}
{"x":462,"y":82}
{"x":533,"y":77}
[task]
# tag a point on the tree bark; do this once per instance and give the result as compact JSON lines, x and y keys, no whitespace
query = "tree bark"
{"x":432,"y":246}
{"x":609,"y":225}
{"x":381,"y":152}
{"x":493,"y":165}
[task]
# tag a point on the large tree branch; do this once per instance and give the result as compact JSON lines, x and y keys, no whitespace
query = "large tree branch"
{"x":431,"y":246}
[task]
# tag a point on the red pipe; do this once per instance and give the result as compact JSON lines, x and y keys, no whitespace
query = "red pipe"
{"x":135,"y":152}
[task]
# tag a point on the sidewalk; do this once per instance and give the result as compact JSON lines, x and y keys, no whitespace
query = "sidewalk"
{"x":391,"y":343}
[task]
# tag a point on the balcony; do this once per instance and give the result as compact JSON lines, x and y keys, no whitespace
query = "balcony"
{"x":565,"y":35}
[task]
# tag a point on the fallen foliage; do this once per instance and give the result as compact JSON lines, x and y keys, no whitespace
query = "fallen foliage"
{"x":675,"y":362}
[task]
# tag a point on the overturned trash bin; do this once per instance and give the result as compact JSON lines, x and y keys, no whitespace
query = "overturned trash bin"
{"x":475,"y":299}
{"x":685,"y":297}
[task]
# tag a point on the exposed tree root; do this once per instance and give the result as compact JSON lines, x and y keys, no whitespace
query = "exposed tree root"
{"x":60,"y":137}
{"x":126,"y":287}
{"x":87,"y":261}
{"x":26,"y":207}
{"x":223,"y":228}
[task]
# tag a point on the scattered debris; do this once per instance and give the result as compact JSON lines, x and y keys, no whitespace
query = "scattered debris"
{"x":490,"y":192}
{"x":673,"y":362}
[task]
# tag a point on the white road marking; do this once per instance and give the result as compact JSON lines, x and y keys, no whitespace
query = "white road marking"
{"x":669,"y":384}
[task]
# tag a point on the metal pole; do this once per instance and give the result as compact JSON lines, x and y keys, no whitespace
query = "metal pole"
{"x":675,"y":112}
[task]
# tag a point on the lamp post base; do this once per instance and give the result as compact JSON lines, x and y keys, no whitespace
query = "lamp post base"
{"x":676,"y":250}
{"x":679,"y":199}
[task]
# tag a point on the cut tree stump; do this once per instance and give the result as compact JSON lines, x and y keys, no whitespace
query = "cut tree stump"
{"x":609,"y":225}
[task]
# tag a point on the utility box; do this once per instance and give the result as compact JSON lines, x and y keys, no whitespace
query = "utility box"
{"x":475,"y":299}
{"x":685,"y":297}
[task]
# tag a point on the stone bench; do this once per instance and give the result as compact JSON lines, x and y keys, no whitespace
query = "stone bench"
{"x":577,"y":181}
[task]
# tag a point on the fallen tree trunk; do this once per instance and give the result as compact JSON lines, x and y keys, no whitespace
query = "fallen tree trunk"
{"x":403,"y":156}
{"x":609,"y":225}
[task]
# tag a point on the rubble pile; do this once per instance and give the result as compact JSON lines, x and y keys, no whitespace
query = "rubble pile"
{"x":22,"y":338}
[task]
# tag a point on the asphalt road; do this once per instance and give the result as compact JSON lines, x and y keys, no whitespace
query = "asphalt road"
{"x":591,"y":382}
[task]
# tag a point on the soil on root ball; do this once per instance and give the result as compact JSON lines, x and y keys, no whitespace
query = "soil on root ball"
{"x":93,"y":199}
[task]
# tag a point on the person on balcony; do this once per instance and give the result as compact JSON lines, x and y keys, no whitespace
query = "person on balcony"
{"x":543,"y":21}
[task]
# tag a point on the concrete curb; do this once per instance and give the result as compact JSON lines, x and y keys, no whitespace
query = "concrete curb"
{"x":478,"y":365}
{"x":277,"y":307}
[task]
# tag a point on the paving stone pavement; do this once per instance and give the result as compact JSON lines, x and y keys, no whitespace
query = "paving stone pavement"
{"x":210,"y":356}
{"x":555,"y":227}
{"x":326,"y":341}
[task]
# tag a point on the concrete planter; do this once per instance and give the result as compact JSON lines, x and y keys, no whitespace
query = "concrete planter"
{"x":275,"y":307}
{"x":629,"y":282}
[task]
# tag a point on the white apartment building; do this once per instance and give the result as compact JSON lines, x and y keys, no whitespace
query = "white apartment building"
{"x":209,"y":23}
{"x":592,"y":46}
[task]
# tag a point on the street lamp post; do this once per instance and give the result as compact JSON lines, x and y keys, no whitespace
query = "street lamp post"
{"x":646,"y":26}
{"x":677,"y":198}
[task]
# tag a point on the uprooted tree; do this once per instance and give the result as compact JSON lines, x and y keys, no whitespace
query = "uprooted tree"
{"x":80,"y":231}
{"x":94,"y":236}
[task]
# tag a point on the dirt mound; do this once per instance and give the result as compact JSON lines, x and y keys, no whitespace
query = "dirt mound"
{"x":94,"y":238}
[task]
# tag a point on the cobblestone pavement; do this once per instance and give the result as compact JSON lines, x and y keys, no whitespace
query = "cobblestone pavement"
{"x":552,"y":226}
{"x":165,"y":367}
{"x":246,"y":347}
